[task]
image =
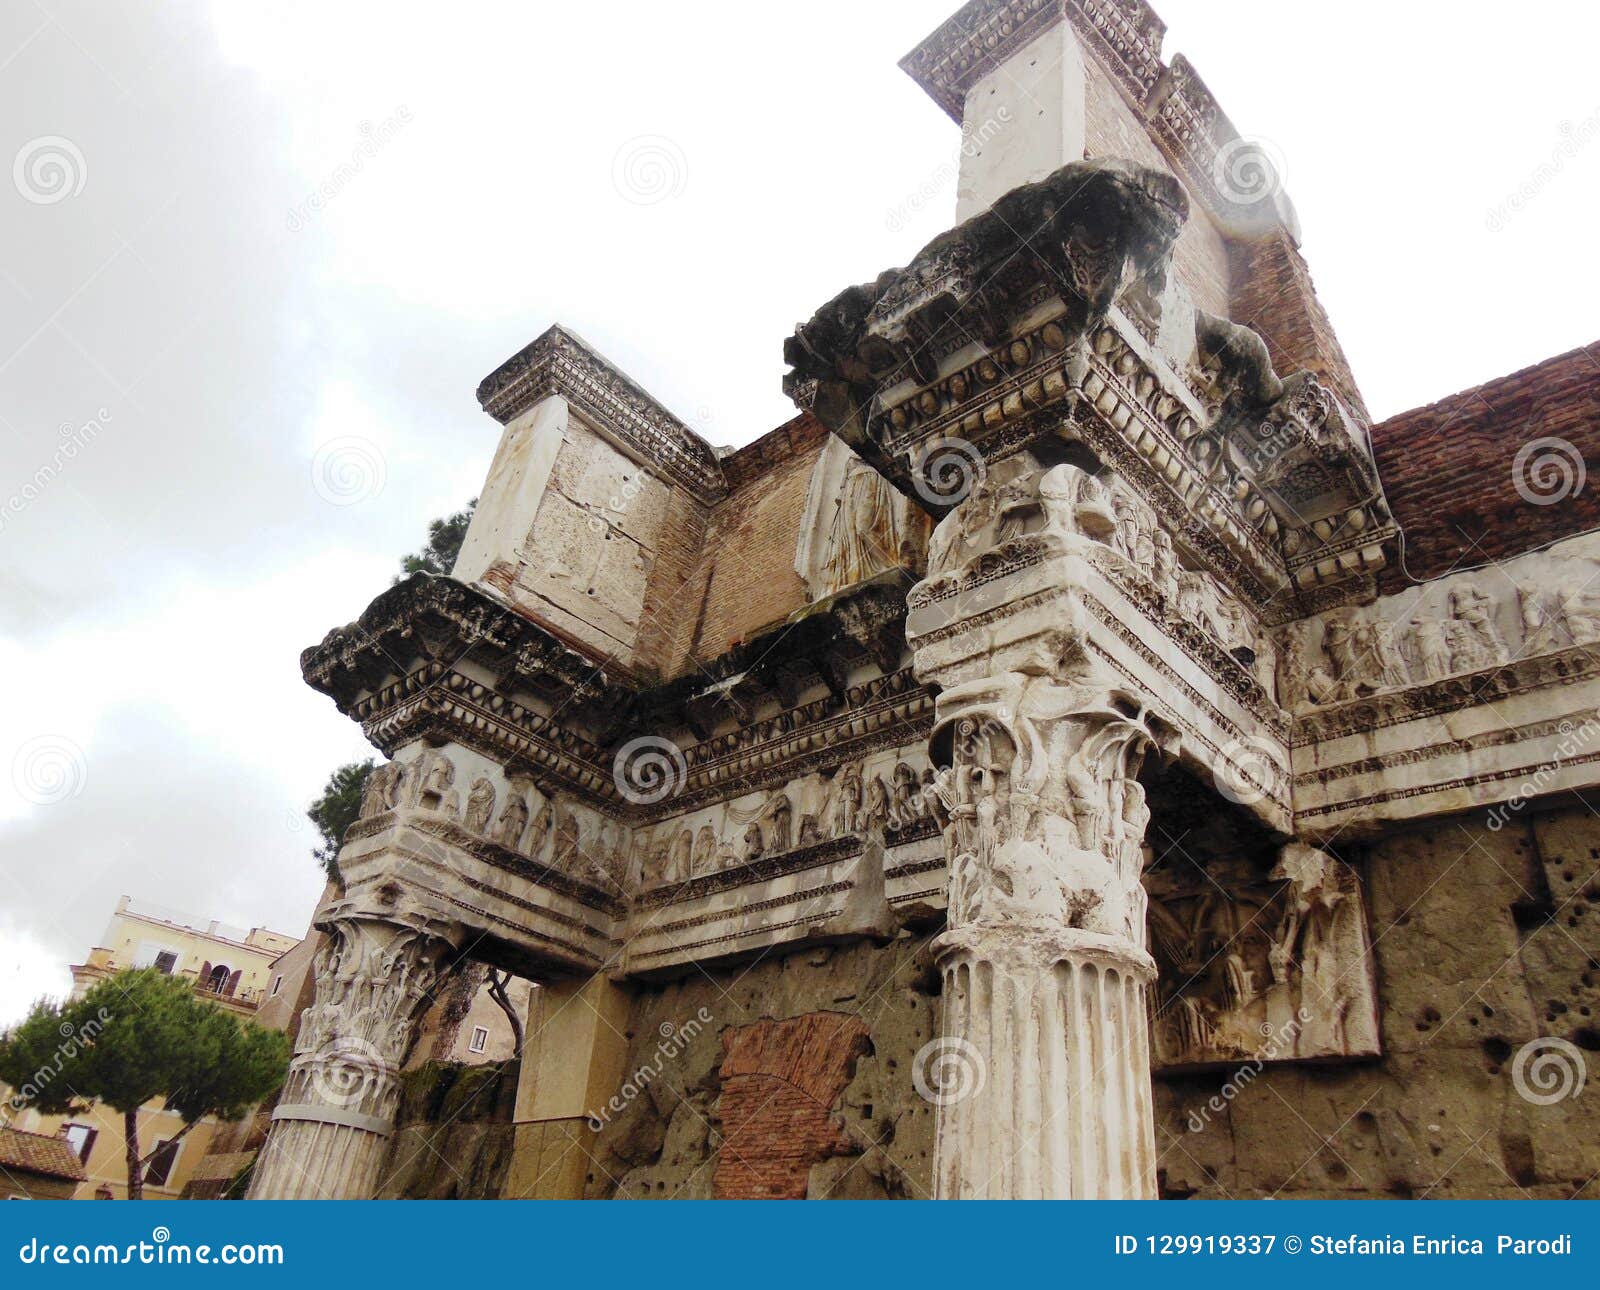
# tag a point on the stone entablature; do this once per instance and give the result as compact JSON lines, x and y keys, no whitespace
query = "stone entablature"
{"x":1478,"y":688}
{"x":993,"y":339}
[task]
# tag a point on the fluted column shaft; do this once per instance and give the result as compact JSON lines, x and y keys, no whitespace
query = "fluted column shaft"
{"x":336,"y":1114}
{"x":1059,"y":1105}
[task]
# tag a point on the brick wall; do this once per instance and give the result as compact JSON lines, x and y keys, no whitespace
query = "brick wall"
{"x":1450,"y":468}
{"x":1272,"y":292}
{"x":1113,"y":129}
{"x":743,"y":577}
{"x":780,"y":1081}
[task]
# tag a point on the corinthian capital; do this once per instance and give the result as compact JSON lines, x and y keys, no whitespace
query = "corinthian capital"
{"x":1046,"y":817}
{"x":374,"y":978}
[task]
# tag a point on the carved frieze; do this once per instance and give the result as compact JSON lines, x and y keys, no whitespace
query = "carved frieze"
{"x":1260,"y":963}
{"x":1338,"y":668}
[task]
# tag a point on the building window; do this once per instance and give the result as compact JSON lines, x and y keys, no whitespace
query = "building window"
{"x":480,"y":1039}
{"x":217,"y":981}
{"x":277,"y":984}
{"x":166,"y":961}
{"x":80,"y":1137}
{"x":162,"y":1159}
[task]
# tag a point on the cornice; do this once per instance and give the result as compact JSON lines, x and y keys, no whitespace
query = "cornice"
{"x":558,"y":362}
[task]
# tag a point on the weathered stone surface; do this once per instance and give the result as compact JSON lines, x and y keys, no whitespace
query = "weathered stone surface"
{"x":795,"y":844}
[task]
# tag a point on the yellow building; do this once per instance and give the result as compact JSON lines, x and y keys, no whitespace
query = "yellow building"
{"x":233,"y":966}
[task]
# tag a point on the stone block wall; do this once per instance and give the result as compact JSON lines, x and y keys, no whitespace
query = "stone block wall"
{"x":799,"y":1085}
{"x":1487,"y":941}
{"x":454,"y":1138}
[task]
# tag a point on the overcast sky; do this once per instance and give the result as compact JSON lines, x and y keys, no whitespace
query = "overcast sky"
{"x":247,"y":404}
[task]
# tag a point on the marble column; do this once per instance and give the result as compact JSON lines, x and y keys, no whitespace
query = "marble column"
{"x":330,"y":1131}
{"x":1041,"y":1071}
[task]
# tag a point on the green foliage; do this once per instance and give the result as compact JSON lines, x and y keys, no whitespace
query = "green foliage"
{"x":444,"y":544}
{"x":336,"y":810}
{"x":138,"y":1036}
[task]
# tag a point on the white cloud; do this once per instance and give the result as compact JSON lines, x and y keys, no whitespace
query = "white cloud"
{"x":155,"y":596}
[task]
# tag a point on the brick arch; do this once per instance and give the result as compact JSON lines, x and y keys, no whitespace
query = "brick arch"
{"x":780,"y":1080}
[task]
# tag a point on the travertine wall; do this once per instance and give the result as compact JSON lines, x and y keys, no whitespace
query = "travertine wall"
{"x":454,"y":1136}
{"x":1486,"y":939}
{"x":784,"y":1033}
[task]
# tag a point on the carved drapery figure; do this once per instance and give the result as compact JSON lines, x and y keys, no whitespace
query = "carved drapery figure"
{"x":432,"y":777}
{"x":1475,"y":641}
{"x":844,"y":805}
{"x":480,"y":808}
{"x":374,"y":978}
{"x":1261,"y":964}
{"x":777,"y":817}
{"x":1432,"y":644}
{"x":906,"y":803}
{"x":865,"y":537}
{"x":680,"y":861}
{"x":378,"y":793}
{"x":568,"y":840}
{"x":539,"y":831}
{"x":513,"y":821}
{"x":704,"y":859}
